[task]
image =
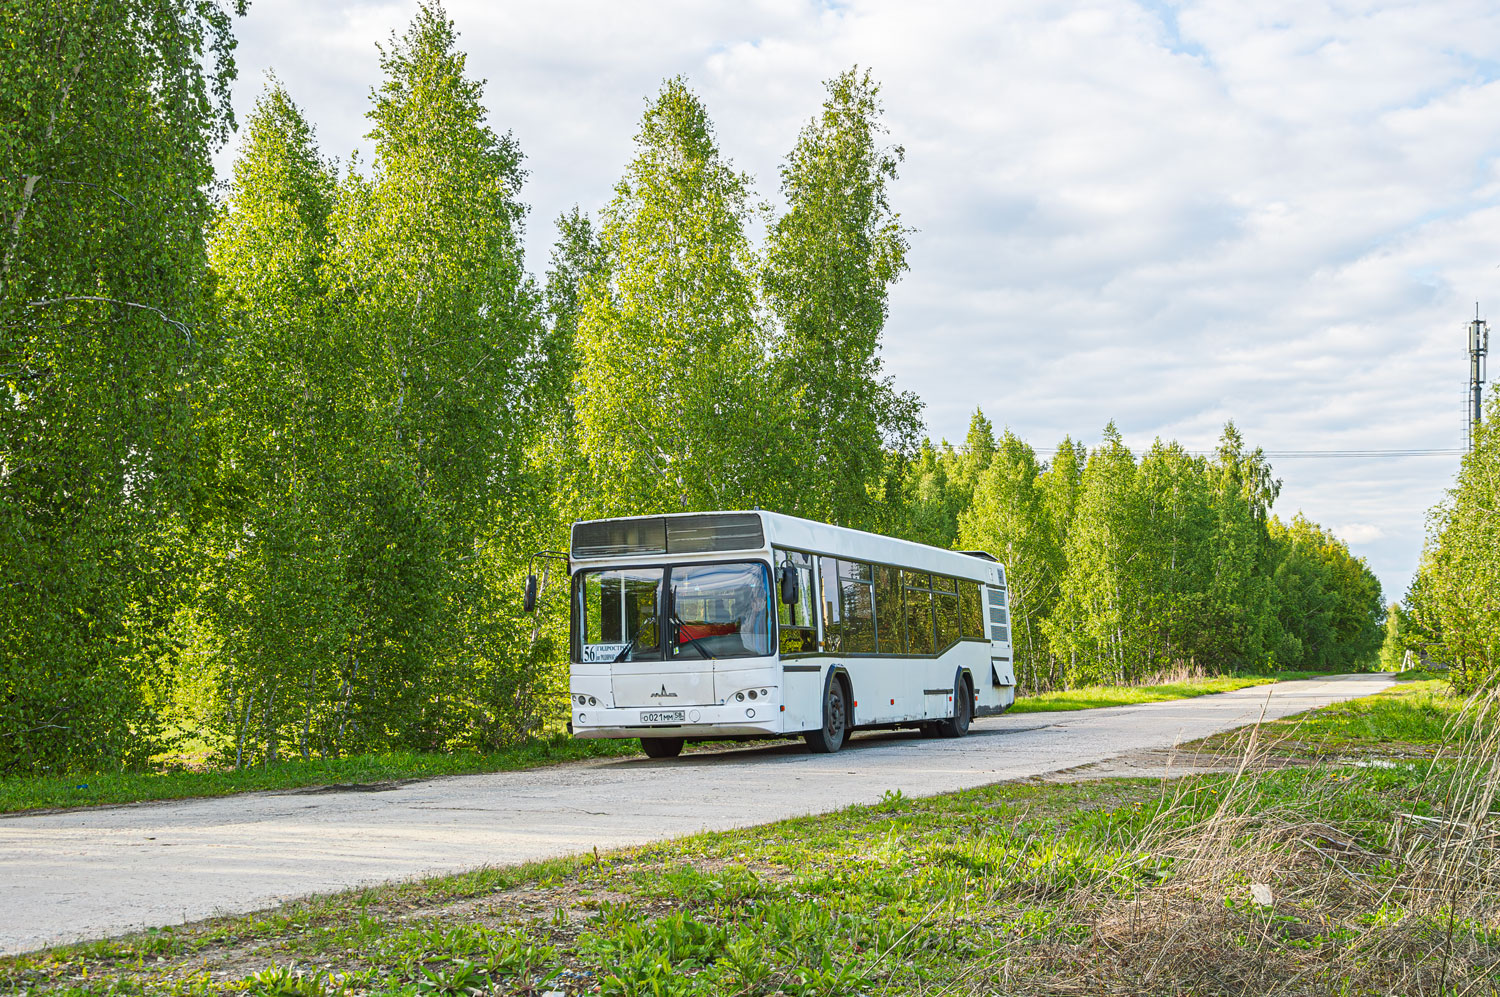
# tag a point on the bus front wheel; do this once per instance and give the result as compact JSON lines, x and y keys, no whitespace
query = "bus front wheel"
{"x":963,"y":711}
{"x":661,"y":747}
{"x":830,"y":737}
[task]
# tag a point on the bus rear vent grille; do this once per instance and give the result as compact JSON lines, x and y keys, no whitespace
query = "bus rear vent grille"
{"x":677,"y":535}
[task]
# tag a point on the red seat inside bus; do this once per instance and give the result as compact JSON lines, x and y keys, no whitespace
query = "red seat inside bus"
{"x":698,"y":631}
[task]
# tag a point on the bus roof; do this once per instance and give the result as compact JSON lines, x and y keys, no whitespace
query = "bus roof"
{"x":675,"y":535}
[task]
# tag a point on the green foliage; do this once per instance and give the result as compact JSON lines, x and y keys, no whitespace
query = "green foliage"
{"x":1395,"y":644}
{"x":1123,"y":569}
{"x":1009,"y":517}
{"x":1453,"y":609}
{"x":673,"y":393}
{"x":376,"y":333}
{"x":829,"y":263}
{"x":108,"y":115}
{"x":1097,"y":627}
{"x":1330,"y":604}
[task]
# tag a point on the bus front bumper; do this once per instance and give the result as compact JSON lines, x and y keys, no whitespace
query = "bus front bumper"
{"x":737,"y":720}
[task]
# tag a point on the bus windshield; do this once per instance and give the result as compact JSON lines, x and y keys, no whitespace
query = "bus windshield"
{"x":713,"y":611}
{"x":720,"y":611}
{"x":616,"y":614}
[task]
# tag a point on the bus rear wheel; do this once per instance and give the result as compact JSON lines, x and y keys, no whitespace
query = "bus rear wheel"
{"x":963,"y":710}
{"x":830,"y":737}
{"x":661,"y":747}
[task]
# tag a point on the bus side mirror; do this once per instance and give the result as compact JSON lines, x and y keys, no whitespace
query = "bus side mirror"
{"x":528,"y":600}
{"x":789,"y":584}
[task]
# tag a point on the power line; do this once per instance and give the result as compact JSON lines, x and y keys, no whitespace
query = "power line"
{"x":1357,"y":454}
{"x":1296,"y":454}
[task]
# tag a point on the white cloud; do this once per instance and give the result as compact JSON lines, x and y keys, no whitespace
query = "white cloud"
{"x":1359,"y":533}
{"x":1166,"y":213}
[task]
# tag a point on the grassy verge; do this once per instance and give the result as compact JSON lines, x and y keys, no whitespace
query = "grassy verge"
{"x":1415,"y":717}
{"x":1092,"y":697}
{"x":1317,"y":879}
{"x":19,"y":793}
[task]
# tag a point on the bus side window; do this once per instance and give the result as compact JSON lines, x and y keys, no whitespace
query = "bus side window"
{"x":857,"y":602}
{"x":945,"y":610}
{"x":919,"y":625}
{"x":888,"y":610}
{"x":833,"y":618}
{"x":799,"y":627}
{"x":971,"y":608}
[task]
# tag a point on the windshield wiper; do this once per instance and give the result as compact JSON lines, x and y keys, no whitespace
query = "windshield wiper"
{"x":630,"y":644}
{"x":693,"y":640}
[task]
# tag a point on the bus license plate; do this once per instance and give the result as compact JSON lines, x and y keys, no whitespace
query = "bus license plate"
{"x":663,"y":716}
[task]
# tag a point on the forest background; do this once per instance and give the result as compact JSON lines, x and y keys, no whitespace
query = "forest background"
{"x":275,"y":454}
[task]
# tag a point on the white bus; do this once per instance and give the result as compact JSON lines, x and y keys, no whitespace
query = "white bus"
{"x":733,"y":625}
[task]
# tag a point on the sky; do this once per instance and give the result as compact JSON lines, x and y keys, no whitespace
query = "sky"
{"x":1165,"y":214}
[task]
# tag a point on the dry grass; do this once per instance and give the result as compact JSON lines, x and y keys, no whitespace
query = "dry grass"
{"x":1411,"y":907}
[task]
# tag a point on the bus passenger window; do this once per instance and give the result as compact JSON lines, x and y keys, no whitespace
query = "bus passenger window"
{"x":888,"y":610}
{"x":945,"y":605}
{"x":919,"y":627}
{"x":828,"y":588}
{"x":971,"y":608}
{"x":857,"y":600}
{"x":799,"y":628}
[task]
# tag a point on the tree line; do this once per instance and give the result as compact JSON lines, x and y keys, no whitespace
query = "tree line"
{"x":1450,"y":616}
{"x":1125,"y":567}
{"x":275,"y":458}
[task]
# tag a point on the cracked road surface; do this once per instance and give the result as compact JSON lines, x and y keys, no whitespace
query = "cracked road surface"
{"x":106,"y":871}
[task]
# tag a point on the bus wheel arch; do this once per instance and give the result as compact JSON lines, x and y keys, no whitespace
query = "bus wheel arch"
{"x":963,"y":706}
{"x":836,"y":715}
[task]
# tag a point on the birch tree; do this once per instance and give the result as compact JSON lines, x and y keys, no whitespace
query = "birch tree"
{"x":1008,"y":518}
{"x":1452,"y":609}
{"x":831,"y":260}
{"x":1094,"y":629}
{"x":430,"y":282}
{"x":109,"y":113}
{"x":677,"y":405}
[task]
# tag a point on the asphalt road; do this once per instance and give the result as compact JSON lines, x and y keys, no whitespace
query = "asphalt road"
{"x":107,"y":871}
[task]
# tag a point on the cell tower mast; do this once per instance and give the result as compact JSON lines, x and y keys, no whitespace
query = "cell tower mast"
{"x":1479,"y":348}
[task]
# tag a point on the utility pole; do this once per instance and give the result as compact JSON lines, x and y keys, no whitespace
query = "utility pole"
{"x":1479,"y":347}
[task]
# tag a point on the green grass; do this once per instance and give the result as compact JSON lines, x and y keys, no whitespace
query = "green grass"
{"x":1114,"y":886}
{"x":1415,"y":716}
{"x":19,"y":793}
{"x":1092,"y":697}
